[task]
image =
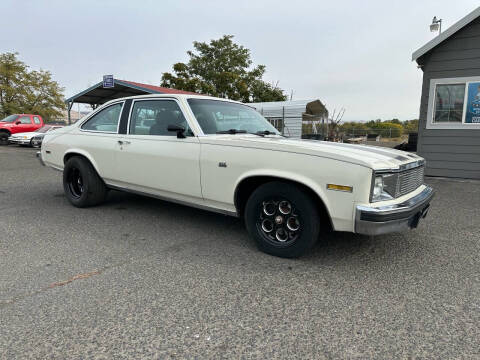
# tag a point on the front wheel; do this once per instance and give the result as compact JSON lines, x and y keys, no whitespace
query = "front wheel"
{"x":81,"y":183}
{"x":282,"y":218}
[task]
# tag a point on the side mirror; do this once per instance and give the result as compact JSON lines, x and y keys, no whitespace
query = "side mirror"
{"x":18,"y":122}
{"x":178,"y":129}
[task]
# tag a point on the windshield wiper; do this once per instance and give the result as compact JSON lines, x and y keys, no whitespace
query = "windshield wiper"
{"x":265,"y":132}
{"x":232,"y":131}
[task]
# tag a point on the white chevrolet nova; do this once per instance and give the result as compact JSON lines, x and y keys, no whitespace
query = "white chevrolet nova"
{"x":224,"y":156}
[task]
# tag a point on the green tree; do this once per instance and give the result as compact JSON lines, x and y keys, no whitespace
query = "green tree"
{"x":222,"y":68}
{"x":410,"y":125}
{"x":25,"y":91}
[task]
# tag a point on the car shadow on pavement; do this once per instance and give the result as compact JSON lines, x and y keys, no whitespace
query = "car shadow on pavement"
{"x":332,"y":246}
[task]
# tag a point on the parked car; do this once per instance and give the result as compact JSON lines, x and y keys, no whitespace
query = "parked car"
{"x":223,"y":156}
{"x":26,"y":138}
{"x":18,"y":123}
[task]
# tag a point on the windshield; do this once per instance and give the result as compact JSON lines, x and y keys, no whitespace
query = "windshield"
{"x":10,"y":118}
{"x":44,"y":129}
{"x":215,"y":116}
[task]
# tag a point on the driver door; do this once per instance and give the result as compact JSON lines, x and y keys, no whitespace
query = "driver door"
{"x":24,"y":124}
{"x":151,"y":159}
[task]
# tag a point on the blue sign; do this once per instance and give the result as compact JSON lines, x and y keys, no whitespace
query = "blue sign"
{"x":108,"y":81}
{"x":472,"y":115}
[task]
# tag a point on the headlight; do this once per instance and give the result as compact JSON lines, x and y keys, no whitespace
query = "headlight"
{"x":379,"y":191}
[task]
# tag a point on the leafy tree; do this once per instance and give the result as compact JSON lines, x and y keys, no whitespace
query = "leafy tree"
{"x":24,"y":91}
{"x":222,"y":68}
{"x":411,"y":125}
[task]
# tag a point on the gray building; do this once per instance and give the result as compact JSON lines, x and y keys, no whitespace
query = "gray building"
{"x":449,"y":129}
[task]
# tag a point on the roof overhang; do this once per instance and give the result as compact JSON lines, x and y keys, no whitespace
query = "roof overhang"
{"x":446,"y":34}
{"x":98,"y":95}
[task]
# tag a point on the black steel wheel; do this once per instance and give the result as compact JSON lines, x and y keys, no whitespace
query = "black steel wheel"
{"x":282,"y":219}
{"x":81,"y":183}
{"x":75,"y":182}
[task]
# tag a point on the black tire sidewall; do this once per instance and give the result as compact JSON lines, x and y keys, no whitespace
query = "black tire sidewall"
{"x":304,"y":204}
{"x":93,"y":191}
{"x":3,"y":138}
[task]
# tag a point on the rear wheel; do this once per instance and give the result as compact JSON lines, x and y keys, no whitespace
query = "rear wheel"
{"x":282,"y":219}
{"x":3,"y":138}
{"x":81,"y":183}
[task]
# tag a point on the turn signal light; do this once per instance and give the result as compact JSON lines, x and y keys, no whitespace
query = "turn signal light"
{"x":339,"y":187}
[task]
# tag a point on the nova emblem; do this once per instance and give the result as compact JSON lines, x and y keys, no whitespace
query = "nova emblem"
{"x":222,"y":164}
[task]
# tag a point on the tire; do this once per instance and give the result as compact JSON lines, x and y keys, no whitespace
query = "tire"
{"x":81,"y":183}
{"x":3,"y":138}
{"x":278,"y":205}
{"x":31,"y":143}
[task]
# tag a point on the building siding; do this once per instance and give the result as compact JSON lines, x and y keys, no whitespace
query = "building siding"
{"x":450,"y":153}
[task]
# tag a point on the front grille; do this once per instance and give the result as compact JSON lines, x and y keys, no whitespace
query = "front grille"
{"x":409,"y":180}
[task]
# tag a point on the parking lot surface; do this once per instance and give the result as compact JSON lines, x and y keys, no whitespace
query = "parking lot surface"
{"x":143,"y":278}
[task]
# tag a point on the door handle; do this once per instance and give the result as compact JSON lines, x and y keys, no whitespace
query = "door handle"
{"x":123,"y":142}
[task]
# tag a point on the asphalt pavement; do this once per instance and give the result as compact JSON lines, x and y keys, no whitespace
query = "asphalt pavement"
{"x":143,"y":278}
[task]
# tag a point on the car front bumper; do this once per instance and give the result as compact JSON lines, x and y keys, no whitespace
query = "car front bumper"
{"x":19,"y":141}
{"x":371,"y":220}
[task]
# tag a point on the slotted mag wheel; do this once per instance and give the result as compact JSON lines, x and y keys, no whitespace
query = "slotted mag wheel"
{"x":279,"y":222}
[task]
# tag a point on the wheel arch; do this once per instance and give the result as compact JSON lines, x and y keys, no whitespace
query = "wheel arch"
{"x":246,"y":185}
{"x":6,"y":131}
{"x":77,"y":152}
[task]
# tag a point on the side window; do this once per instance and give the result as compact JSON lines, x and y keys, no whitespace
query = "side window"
{"x":152,"y":117}
{"x":106,"y":120}
{"x":36,"y":120}
{"x":25,"y":120}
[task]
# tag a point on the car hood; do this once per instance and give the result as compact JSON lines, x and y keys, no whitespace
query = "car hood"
{"x":374,"y":157}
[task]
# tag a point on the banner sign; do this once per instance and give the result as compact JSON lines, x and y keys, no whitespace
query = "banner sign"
{"x":108,"y":81}
{"x":472,"y":114}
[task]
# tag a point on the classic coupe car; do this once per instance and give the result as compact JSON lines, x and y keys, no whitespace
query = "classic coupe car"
{"x":223,"y":156}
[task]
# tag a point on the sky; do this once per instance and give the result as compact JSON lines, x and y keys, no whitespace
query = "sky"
{"x":350,"y":54}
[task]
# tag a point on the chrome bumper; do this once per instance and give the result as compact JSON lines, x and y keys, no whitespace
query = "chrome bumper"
{"x":370,"y":220}
{"x":19,"y":141}
{"x":39,"y":157}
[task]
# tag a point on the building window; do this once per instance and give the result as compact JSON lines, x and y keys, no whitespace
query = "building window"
{"x":454,"y":103}
{"x":449,"y":100}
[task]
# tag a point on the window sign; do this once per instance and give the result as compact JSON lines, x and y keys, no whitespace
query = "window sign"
{"x":472,"y":113}
{"x":108,"y":81}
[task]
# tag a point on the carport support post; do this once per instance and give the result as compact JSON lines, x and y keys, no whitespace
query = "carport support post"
{"x":70,"y":104}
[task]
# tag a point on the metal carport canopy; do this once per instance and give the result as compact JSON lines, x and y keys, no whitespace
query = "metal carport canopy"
{"x":98,"y":95}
